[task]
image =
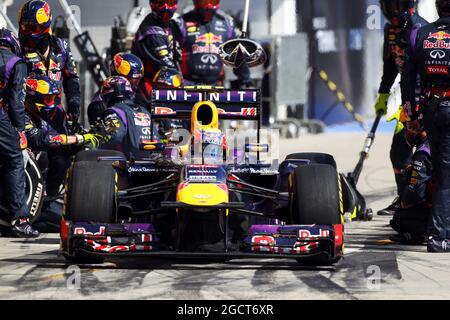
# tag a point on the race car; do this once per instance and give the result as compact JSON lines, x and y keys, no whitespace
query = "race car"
{"x":203,"y":196}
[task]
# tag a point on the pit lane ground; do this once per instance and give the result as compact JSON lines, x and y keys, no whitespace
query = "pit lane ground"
{"x":373,"y":267}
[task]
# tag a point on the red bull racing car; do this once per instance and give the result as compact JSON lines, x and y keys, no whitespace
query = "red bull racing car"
{"x":204,"y":196}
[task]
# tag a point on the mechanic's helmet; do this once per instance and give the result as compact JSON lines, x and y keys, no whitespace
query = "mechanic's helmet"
{"x":41,"y":92}
{"x":35,"y":19}
{"x":167,"y":78}
{"x":165,"y":9}
{"x":413,"y":130}
{"x":129,"y":66}
{"x":443,"y":8}
{"x":397,"y":9}
{"x":115,"y":89}
{"x":207,"y":9}
{"x":8,"y":39}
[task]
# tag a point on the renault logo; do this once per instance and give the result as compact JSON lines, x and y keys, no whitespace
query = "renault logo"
{"x":437,"y":54}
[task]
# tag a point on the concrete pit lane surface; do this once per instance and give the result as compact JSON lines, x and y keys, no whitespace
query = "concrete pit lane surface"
{"x":373,"y":267}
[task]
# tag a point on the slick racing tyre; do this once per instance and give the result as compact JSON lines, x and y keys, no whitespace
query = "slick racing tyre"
{"x":314,"y":158}
{"x":91,"y":192}
{"x":315,"y":199}
{"x":93,"y":155}
{"x":34,"y":192}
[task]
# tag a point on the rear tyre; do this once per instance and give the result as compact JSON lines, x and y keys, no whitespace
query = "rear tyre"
{"x":314,"y":158}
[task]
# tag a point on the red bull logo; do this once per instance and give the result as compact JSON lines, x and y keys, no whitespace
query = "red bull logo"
{"x":32,"y":85}
{"x":209,"y":39}
{"x":440,"y":35}
{"x":122,"y":66}
{"x":43,"y":15}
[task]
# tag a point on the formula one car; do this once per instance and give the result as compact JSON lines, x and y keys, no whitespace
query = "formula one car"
{"x":185,"y":201}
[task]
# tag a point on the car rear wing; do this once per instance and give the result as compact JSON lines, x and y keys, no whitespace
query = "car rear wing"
{"x":231,"y":104}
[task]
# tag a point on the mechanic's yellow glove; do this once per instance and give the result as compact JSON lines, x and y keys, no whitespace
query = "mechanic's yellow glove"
{"x":93,"y":140}
{"x":398,"y":117}
{"x":381,"y":104}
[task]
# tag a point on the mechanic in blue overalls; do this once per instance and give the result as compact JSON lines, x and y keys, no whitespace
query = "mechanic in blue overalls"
{"x":48,"y":55}
{"x":123,"y":64}
{"x":12,"y":123}
{"x":127,"y":125}
{"x":429,"y":53}
{"x":200,"y":33}
{"x":154,"y":44}
{"x":41,"y":95}
{"x":411,"y":219}
{"x":402,"y":20}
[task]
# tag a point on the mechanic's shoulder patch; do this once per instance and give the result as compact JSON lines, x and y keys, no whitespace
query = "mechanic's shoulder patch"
{"x":142,"y":119}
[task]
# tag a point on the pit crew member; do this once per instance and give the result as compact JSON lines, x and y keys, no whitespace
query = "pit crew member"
{"x":12,"y":123}
{"x":402,"y":20}
{"x":154,"y":43}
{"x":200,"y":33}
{"x":411,"y":219}
{"x":429,"y":53}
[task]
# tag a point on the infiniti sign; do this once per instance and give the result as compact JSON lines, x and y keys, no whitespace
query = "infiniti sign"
{"x":437,"y":54}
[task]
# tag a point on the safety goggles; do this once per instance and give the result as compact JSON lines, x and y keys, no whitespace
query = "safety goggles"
{"x":45,"y":103}
{"x":205,"y":3}
{"x":33,"y":29}
{"x":169,"y":3}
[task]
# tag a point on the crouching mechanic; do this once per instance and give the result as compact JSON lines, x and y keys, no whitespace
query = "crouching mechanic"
{"x":41,"y":95}
{"x":411,"y":219}
{"x":12,"y":123}
{"x":126,"y":65}
{"x":401,"y":22}
{"x":127,"y":125}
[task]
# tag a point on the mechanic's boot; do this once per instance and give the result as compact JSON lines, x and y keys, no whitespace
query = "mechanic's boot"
{"x":438,"y":245}
{"x":407,"y":238}
{"x":390,"y":210}
{"x":22,"y":229}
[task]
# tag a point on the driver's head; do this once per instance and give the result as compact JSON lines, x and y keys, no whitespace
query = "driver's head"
{"x":397,"y":10}
{"x":206,"y":9}
{"x":443,"y":8}
{"x":164,"y":9}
